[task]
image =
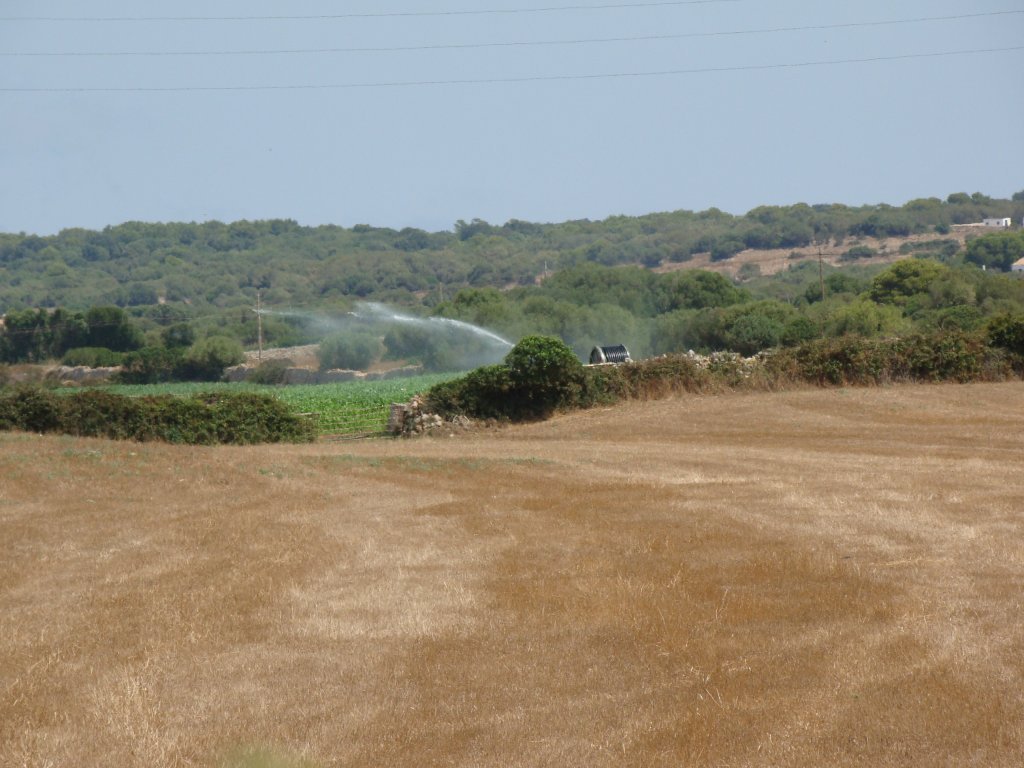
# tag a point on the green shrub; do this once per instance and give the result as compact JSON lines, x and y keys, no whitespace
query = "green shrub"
{"x":179,"y":335}
{"x":859,"y":252}
{"x":799,"y":330}
{"x":751,"y":333}
{"x":726,"y":248}
{"x":1007,"y":331}
{"x":92,"y":357}
{"x":252,"y":418}
{"x":544,"y":373}
{"x":409,"y":342}
{"x":649,"y":379}
{"x":206,"y":419}
{"x":540,"y":374}
{"x":998,"y":250}
{"x":484,"y":393}
{"x":94,"y":413}
{"x":31,"y":409}
{"x":270,"y":372}
{"x":151,"y":365}
{"x":206,"y":359}
{"x":949,"y":356}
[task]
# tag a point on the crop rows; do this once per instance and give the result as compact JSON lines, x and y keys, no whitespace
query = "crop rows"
{"x":352,"y":409}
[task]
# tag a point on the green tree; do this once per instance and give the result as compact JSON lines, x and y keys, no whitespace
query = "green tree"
{"x":408,"y":342}
{"x":996,"y":251}
{"x":799,"y":330}
{"x":111,"y":327}
{"x":23,"y":337}
{"x":697,"y":289}
{"x":866,"y":318}
{"x":672,"y":332}
{"x":752,"y":333}
{"x":207,"y":358}
{"x":1007,"y":331}
{"x":350,"y":350}
{"x":905,"y":280}
{"x":151,"y":365}
{"x":178,"y":335}
{"x":750,"y":328}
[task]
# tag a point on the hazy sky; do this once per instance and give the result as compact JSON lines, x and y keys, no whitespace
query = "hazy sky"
{"x":721,"y":127}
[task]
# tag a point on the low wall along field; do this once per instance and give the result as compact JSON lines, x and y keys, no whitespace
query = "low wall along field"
{"x":802,"y":578}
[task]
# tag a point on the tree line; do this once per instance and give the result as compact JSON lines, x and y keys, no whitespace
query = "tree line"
{"x":201,"y":268}
{"x":185,"y":292}
{"x":586,"y":306}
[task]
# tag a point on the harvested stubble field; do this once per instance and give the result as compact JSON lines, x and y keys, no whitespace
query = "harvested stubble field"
{"x":805,"y":578}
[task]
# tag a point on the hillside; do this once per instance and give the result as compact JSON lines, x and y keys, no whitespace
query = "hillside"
{"x":180,"y":297}
{"x":751,"y":262}
{"x":204,"y":268}
{"x":819,"y":577}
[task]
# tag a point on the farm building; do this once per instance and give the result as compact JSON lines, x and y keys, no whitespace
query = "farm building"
{"x":1017,"y":266}
{"x":1001,"y":223}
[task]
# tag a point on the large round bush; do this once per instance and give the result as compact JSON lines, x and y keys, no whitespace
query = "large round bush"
{"x":544,"y":373}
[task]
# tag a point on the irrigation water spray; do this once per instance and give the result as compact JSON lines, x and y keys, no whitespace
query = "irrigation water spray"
{"x":381,"y":312}
{"x":475,"y":345}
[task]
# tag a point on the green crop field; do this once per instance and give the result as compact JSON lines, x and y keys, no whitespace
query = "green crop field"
{"x":352,"y":408}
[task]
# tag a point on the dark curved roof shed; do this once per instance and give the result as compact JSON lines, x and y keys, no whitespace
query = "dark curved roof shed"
{"x":616,"y":353}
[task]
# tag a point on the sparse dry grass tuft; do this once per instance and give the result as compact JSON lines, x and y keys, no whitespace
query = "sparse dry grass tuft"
{"x":790,"y":579}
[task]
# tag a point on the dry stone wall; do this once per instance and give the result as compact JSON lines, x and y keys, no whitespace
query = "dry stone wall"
{"x":295,"y":375}
{"x":409,"y":419}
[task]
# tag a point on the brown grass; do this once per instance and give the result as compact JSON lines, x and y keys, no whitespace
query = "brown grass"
{"x":791,"y":579}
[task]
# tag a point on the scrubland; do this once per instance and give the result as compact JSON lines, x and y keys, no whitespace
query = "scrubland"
{"x":803,"y":578}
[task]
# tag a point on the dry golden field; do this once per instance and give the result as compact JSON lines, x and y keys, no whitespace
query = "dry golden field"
{"x":809,"y":578}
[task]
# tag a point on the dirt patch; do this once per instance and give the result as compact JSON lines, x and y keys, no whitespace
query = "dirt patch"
{"x":770,"y":262}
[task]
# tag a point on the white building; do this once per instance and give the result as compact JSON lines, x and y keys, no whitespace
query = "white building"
{"x":1002,"y":223}
{"x":1017,"y":266}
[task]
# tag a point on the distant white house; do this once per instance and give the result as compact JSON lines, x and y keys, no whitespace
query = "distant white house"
{"x":1017,"y":266}
{"x":1002,"y":223}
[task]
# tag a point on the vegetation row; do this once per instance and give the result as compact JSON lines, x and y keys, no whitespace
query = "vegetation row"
{"x":204,"y":419}
{"x":189,"y":269}
{"x":542,"y":375}
{"x":585,"y":305}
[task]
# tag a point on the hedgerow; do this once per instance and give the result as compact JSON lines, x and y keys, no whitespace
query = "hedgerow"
{"x":204,"y":419}
{"x":849,"y":360}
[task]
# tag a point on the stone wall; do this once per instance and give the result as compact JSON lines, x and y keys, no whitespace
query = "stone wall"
{"x":296,"y":375}
{"x":408,"y":419}
{"x":79,"y":375}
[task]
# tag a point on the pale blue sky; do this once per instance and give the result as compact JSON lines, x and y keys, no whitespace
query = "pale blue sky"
{"x":542,"y":150}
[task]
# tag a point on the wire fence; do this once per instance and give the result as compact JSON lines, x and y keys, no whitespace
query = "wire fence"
{"x":352,"y":423}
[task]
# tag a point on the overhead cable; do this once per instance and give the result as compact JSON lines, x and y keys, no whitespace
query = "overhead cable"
{"x":524,"y":43}
{"x":377,"y":15}
{"x":509,"y":80}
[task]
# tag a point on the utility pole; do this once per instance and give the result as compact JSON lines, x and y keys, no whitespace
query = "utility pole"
{"x":259,"y":324}
{"x":821,"y":274}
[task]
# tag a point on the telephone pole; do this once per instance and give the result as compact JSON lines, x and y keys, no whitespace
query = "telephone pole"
{"x":259,"y":324}
{"x":821,"y":274}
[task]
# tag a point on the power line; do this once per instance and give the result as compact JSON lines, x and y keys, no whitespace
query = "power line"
{"x":379,"y":15}
{"x":509,"y":80}
{"x":514,"y":44}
